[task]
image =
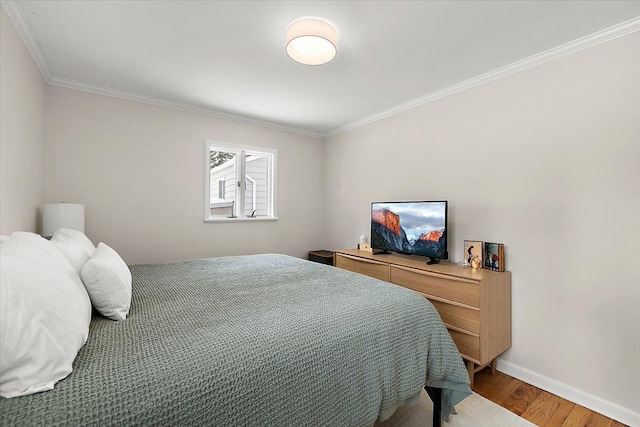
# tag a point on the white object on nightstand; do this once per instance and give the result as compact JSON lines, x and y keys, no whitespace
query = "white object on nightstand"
{"x":62,"y":215}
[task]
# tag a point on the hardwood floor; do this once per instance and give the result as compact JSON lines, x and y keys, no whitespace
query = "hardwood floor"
{"x":537,"y":406}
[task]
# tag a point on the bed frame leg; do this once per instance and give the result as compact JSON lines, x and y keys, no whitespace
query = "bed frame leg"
{"x":436,"y":397}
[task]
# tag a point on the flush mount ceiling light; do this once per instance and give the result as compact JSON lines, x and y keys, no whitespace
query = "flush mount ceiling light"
{"x":311,"y":41}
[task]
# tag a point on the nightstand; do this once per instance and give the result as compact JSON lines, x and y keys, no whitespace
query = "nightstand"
{"x":321,"y":256}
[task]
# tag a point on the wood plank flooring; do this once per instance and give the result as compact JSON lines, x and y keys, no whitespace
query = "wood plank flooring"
{"x":535,"y":405}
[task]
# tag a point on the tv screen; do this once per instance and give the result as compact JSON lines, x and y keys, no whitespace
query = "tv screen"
{"x":415,"y":228}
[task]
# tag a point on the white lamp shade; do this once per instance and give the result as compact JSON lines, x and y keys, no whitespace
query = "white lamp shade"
{"x":62,"y":215}
{"x":311,"y":41}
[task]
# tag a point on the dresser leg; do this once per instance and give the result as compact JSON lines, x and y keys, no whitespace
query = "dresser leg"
{"x":494,"y":363}
{"x":471,"y":370}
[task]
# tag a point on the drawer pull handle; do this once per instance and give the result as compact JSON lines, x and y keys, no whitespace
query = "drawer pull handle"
{"x":366,"y":261}
{"x":432,"y":274}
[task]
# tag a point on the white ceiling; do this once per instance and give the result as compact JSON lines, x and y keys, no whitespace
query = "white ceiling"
{"x":228,"y":59}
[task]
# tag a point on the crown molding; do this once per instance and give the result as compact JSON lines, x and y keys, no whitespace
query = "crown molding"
{"x":578,"y":45}
{"x":160,"y":102}
{"x":16,"y":14}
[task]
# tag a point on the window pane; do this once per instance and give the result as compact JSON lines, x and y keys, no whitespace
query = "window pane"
{"x":222,"y":184}
{"x":240,"y":182}
{"x":257,"y":185}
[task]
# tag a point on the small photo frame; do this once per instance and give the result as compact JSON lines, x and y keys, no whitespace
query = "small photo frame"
{"x":494,"y":256}
{"x":472,"y":250}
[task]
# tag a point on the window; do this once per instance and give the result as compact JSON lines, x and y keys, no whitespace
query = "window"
{"x":240,"y":182}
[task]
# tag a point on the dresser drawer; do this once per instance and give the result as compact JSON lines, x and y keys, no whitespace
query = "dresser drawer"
{"x":454,"y":289}
{"x":475,"y":305}
{"x":461,"y":317}
{"x":370,"y":268}
{"x":468,"y":345}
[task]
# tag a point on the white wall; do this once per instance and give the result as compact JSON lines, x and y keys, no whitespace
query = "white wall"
{"x":546,"y":161}
{"x":22,"y":121}
{"x":140,"y":171}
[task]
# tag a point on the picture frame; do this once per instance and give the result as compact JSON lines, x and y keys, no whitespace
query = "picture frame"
{"x":473,"y":249}
{"x":494,"y":256}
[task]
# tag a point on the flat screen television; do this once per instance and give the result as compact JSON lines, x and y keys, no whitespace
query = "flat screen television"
{"x":414,"y":228}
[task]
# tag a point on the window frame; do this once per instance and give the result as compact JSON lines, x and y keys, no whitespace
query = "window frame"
{"x":242,"y":151}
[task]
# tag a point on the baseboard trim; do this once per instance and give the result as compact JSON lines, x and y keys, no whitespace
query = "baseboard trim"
{"x":588,"y":400}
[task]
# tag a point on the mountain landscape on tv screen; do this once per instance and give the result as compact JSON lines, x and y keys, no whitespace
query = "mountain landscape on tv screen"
{"x":388,"y":234}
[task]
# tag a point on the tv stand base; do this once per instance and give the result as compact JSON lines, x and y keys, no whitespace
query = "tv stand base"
{"x":380,"y":252}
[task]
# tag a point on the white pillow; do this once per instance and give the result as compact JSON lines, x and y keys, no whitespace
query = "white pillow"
{"x":4,"y":238}
{"x":108,"y":281}
{"x":74,"y":245}
{"x":44,"y":315}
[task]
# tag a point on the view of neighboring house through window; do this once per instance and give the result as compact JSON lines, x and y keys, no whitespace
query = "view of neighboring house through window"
{"x":240,"y":182}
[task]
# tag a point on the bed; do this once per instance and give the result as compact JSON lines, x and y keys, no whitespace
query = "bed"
{"x":253,"y":341}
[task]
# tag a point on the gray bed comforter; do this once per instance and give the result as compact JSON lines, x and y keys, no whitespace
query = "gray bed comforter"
{"x":260,"y":340}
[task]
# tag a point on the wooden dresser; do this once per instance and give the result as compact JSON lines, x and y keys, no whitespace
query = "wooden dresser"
{"x":475,"y":305}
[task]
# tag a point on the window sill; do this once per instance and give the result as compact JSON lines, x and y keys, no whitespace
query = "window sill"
{"x":241,"y":219}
